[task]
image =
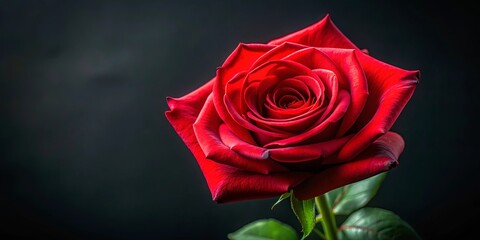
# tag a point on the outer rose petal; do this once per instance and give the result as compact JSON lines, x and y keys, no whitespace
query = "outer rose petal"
{"x":379,"y":157}
{"x":278,"y":52}
{"x":308,"y":152}
{"x":226,"y":183}
{"x":190,"y":104}
{"x":321,"y":34}
{"x":238,"y":145}
{"x":241,"y":185}
{"x":390,"y":89}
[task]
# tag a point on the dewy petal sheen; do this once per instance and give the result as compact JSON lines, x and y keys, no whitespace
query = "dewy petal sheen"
{"x":307,"y":112}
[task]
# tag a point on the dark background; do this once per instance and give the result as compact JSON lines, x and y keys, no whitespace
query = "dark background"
{"x":86,"y":152}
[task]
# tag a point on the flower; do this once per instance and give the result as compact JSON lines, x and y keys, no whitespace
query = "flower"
{"x":308,"y":111}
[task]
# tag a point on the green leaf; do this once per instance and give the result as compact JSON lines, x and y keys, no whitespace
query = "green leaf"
{"x":264,"y":229}
{"x":281,"y":198}
{"x":346,"y":199}
{"x":376,"y":224}
{"x":305,"y":212}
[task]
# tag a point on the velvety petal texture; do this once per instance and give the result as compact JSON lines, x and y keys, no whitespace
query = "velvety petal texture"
{"x":225,"y":182}
{"x":307,"y":112}
{"x":380,"y":156}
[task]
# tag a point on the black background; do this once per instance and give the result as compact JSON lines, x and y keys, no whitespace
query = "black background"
{"x":86,"y":152}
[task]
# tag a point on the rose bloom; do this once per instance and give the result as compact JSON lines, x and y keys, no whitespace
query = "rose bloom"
{"x":307,"y":112}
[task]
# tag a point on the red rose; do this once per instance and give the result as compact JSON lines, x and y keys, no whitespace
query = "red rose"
{"x":308,"y":112}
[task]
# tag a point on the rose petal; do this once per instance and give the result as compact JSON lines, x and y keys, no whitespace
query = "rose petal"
{"x":277,"y":53}
{"x":240,"y":185}
{"x":254,"y":96}
{"x":238,"y":118}
{"x":379,"y":157}
{"x":341,"y":107}
{"x":227,"y":184}
{"x":234,"y":89}
{"x":294,"y":126}
{"x":259,"y":98}
{"x":321,"y":34}
{"x":390,"y":89}
{"x":330,"y":82}
{"x":241,"y":147}
{"x":308,"y":152}
{"x":240,"y":60}
{"x":293,"y":120}
{"x":190,"y":104}
{"x":206,"y":128}
{"x":256,"y":76}
{"x":344,"y":63}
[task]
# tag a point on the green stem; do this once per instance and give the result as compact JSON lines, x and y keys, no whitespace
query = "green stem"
{"x":328,"y":223}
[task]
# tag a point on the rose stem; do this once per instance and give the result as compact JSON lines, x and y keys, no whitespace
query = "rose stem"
{"x":328,"y":223}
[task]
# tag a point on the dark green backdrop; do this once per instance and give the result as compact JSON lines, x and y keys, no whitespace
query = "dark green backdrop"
{"x":87,"y":153}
